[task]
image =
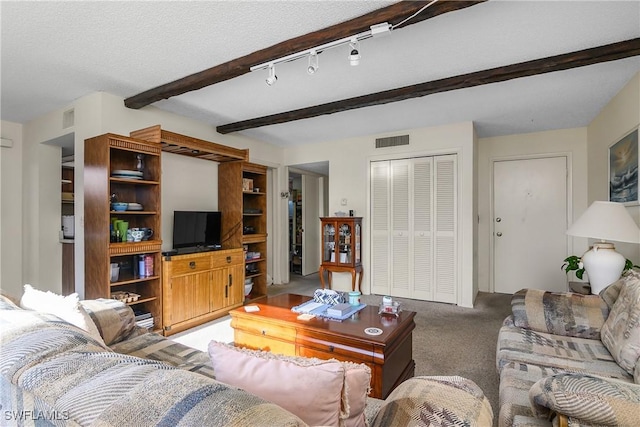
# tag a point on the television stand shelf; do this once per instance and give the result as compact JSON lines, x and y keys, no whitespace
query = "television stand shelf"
{"x":200,"y":287}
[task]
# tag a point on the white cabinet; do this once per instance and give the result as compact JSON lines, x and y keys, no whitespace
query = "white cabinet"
{"x":414,"y":225}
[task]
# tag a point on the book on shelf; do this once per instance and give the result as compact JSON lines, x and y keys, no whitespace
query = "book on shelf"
{"x":141,"y":315}
{"x":147,"y":323}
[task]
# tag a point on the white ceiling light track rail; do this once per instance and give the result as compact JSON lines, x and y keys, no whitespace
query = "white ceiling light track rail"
{"x":375,"y":30}
{"x":353,"y":41}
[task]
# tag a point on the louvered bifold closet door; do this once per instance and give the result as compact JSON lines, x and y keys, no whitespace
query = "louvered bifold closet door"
{"x":380,"y":228}
{"x":414,"y":228}
{"x":446,"y":227}
{"x":400,"y":228}
{"x":422,"y":198}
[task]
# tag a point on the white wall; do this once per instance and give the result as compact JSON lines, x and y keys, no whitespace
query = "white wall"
{"x":572,"y":142}
{"x":617,"y":118}
{"x":348,"y":179}
{"x":11,"y":211}
{"x":96,"y":114}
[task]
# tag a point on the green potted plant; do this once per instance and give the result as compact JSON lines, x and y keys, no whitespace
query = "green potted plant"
{"x":573,"y":263}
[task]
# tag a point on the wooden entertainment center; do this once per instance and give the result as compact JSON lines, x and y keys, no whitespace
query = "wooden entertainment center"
{"x":200,"y":287}
{"x":183,"y":290}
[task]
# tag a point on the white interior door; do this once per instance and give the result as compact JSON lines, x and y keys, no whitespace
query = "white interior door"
{"x":310,"y":224}
{"x":529,"y":224}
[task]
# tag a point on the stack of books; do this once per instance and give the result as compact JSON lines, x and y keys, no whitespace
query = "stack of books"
{"x":143,"y":319}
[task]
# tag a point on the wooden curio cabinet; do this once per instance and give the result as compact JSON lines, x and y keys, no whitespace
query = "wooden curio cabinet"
{"x":128,"y":169}
{"x":341,"y":248}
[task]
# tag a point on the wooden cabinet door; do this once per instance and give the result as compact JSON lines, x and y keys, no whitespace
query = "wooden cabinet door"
{"x":235,"y":281}
{"x":228,"y":286}
{"x":190,"y":296}
{"x":218,"y":289}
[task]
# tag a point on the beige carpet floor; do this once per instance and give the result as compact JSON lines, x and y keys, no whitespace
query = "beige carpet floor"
{"x":448,"y":340}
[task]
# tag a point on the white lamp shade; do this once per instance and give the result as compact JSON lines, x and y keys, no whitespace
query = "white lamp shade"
{"x":606,"y":221}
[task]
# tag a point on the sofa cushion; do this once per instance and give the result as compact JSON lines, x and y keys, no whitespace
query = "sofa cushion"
{"x":6,"y":303}
{"x":610,"y":294}
{"x":587,"y":399}
{"x":621,"y":331}
{"x":156,"y":347}
{"x":435,"y":401}
{"x":516,"y":379}
{"x":566,"y":314}
{"x":569,"y":353}
{"x":114,"y":319}
{"x":309,"y":388}
{"x":67,"y":308}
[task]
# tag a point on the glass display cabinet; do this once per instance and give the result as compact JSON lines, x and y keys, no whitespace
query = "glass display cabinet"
{"x":341,"y":248}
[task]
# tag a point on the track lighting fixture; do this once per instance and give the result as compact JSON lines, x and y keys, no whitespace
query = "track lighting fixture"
{"x":376,"y":30}
{"x":272,"y":78}
{"x":313,"y":62}
{"x":354,"y":52}
{"x":354,"y":56}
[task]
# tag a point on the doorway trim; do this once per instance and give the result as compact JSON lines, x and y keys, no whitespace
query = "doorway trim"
{"x":493,"y":160}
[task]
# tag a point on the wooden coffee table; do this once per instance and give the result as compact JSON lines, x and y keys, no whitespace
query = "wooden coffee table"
{"x":277,"y":329}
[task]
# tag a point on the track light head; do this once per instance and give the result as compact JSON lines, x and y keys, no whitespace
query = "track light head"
{"x":272,"y":78}
{"x":313,"y":62}
{"x":354,"y":56}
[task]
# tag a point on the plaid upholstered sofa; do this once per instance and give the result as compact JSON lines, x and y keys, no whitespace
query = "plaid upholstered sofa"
{"x":54,"y":373}
{"x":571,"y":359}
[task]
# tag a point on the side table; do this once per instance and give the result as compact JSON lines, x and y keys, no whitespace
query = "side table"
{"x":580,"y":288}
{"x":355,"y":271}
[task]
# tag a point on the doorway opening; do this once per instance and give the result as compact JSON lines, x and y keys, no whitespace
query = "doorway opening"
{"x":308,"y":201}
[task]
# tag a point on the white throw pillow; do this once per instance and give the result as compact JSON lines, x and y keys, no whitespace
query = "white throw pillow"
{"x":67,"y":308}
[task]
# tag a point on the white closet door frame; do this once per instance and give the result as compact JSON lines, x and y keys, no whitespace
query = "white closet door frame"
{"x":395,"y":243}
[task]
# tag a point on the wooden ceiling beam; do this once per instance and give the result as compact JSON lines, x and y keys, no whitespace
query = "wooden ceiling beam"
{"x":611,"y":52}
{"x":393,"y":14}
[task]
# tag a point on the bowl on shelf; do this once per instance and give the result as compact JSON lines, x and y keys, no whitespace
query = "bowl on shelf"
{"x":247,"y":289}
{"x":119,"y":206}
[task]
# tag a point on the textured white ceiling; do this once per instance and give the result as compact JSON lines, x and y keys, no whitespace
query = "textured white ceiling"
{"x":55,"y":52}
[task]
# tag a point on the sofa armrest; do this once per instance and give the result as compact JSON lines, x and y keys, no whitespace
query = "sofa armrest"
{"x":566,"y":314}
{"x":587,"y":399}
{"x":432,"y":400}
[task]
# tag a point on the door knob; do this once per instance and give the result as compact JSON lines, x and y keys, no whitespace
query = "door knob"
{"x":499,"y":233}
{"x":498,"y":219}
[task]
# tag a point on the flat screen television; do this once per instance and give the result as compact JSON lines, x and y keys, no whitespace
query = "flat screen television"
{"x":197,"y":230}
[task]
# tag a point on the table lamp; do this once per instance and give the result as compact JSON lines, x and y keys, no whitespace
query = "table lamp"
{"x":604,"y":221}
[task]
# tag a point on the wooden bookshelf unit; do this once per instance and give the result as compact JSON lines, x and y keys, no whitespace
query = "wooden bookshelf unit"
{"x":103,"y":155}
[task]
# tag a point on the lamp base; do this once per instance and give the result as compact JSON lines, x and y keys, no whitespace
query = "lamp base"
{"x":603,"y":265}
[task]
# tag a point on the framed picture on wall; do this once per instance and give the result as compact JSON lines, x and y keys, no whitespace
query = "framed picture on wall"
{"x":623,"y":170}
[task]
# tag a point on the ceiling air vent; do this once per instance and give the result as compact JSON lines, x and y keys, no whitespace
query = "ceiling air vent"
{"x":392,"y":141}
{"x":68,"y":118}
